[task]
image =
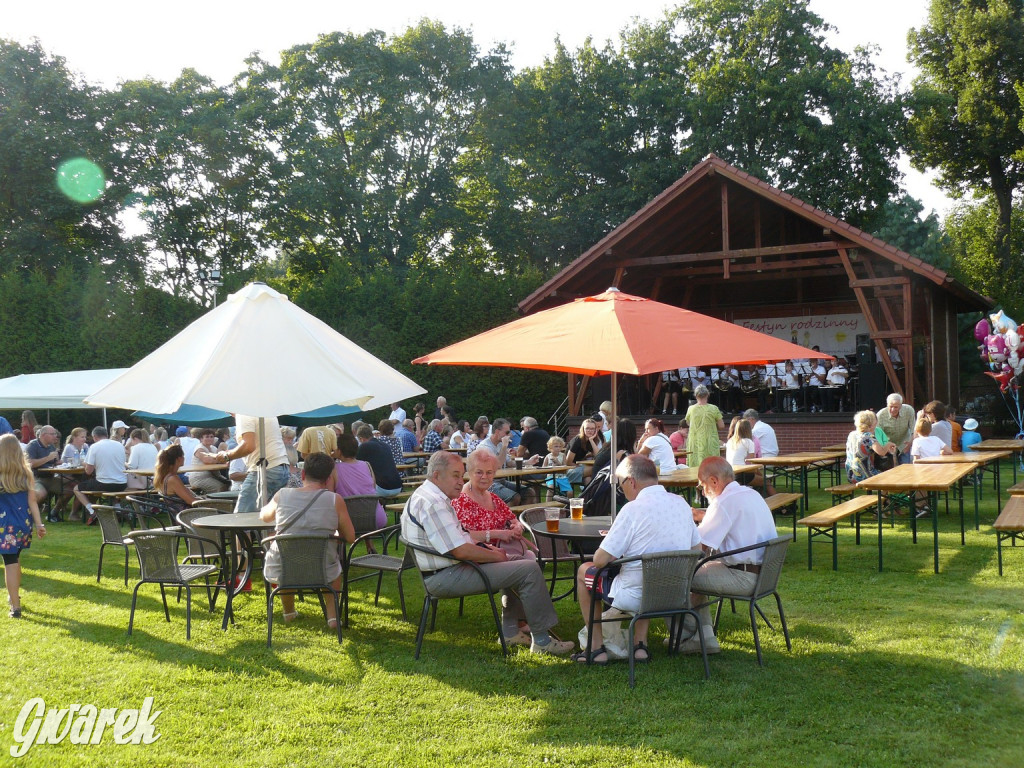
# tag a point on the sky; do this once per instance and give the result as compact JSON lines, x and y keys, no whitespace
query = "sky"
{"x":110,"y":41}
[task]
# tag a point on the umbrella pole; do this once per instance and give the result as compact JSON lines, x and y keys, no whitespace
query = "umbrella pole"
{"x":261,"y":466}
{"x":615,"y":441}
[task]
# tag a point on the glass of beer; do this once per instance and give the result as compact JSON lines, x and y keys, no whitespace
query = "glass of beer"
{"x":576,"y":508}
{"x":551,"y":517}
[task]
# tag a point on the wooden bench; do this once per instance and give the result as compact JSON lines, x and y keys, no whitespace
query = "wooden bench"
{"x":1016,"y":490}
{"x":1009,"y":526}
{"x":842,"y":492}
{"x":780,"y":501}
{"x":824,"y":523}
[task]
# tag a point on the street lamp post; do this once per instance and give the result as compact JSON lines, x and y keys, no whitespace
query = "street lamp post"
{"x":211,"y":279}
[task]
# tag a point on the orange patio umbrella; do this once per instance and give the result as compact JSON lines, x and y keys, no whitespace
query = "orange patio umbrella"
{"x":615,"y":332}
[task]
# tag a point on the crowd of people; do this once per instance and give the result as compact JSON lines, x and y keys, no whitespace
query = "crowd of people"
{"x":462,"y":511}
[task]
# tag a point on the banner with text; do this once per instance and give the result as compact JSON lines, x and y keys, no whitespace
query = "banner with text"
{"x":833,"y":334}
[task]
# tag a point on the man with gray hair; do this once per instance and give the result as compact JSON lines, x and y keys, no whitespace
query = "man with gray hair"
{"x":432,"y":439}
{"x":653,"y":520}
{"x":897,"y":421}
{"x":429,"y":520}
{"x":43,"y":453}
{"x":406,"y":432}
{"x":737,"y":516}
{"x":534,"y":441}
{"x":763,"y":433}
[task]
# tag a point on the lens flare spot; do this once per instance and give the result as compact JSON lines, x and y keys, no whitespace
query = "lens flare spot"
{"x":81,"y":180}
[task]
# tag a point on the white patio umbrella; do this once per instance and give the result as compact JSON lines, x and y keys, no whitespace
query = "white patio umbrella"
{"x":260,"y":355}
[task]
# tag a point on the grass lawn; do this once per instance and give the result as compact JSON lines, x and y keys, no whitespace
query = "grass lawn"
{"x":899,"y":668}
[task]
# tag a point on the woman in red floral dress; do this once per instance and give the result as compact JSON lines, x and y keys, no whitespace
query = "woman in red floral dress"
{"x":485,"y":516}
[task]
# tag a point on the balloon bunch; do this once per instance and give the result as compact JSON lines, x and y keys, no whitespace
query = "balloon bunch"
{"x":1003,"y":349}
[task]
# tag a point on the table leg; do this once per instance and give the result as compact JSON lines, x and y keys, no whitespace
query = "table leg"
{"x":879,"y":531}
{"x":979,"y":478}
{"x":999,"y":499}
{"x":963,"y":539}
{"x":229,"y":583}
{"x":933,"y":500}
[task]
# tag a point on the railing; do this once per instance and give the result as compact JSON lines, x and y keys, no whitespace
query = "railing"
{"x":558,"y":419}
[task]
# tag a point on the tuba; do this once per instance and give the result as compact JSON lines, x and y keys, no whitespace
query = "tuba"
{"x":753,"y":384}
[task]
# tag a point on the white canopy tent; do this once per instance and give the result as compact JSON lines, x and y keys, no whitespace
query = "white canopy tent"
{"x":56,"y":390}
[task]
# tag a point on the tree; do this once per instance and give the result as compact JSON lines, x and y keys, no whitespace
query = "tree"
{"x":972,"y":230}
{"x":47,"y":117}
{"x":767,"y":94}
{"x":373,"y":133}
{"x":201,"y":174}
{"x":967,"y":115}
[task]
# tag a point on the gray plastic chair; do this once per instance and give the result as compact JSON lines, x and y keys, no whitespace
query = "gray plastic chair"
{"x":362,"y":511}
{"x":430,"y":601}
{"x":110,"y":529}
{"x":766,"y":585}
{"x":666,"y":593}
{"x":303,"y":569}
{"x":157,"y":551}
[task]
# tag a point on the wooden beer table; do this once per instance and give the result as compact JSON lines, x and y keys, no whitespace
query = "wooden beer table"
{"x":1002,"y":445}
{"x":910,"y":478}
{"x":798,"y":460}
{"x":981,"y":458}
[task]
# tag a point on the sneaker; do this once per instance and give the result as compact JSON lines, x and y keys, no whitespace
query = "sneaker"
{"x":924,"y":512}
{"x":247,"y":587}
{"x":692,"y":645}
{"x":521,"y":638}
{"x":15,"y":613}
{"x":554,"y":647}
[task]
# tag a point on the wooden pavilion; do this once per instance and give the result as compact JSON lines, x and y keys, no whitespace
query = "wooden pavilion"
{"x":726,"y":244}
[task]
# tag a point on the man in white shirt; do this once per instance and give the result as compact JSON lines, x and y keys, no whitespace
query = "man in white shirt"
{"x":397,"y":413}
{"x":836,"y":377}
{"x":763,"y":433}
{"x":104,"y":469}
{"x":272,"y":451}
{"x":653,"y":520}
{"x":737,"y":516}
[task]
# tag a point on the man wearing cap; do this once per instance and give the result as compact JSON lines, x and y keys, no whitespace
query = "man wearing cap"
{"x":189,"y":442}
{"x":104,"y":469}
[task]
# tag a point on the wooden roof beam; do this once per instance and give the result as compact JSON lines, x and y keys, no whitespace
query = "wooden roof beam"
{"x":741,"y":253}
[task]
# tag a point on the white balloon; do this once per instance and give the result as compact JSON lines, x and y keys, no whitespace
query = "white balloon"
{"x":1012,"y":339}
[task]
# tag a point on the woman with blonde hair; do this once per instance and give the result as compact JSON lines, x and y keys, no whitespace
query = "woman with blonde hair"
{"x":861,"y":444}
{"x":705,"y":420}
{"x":18,"y":512}
{"x":587,"y":444}
{"x":75,"y":450}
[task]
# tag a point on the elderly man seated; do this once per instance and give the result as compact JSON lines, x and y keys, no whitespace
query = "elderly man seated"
{"x":737,"y":516}
{"x":429,"y":520}
{"x":653,"y":520}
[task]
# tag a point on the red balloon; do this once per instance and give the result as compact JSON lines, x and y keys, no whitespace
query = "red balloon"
{"x":1003,"y":377}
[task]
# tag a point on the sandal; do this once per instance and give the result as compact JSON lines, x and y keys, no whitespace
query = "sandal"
{"x":583,"y":658}
{"x":647,"y":654}
{"x":290,"y":617}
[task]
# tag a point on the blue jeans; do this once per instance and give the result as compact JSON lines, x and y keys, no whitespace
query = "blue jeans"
{"x":388,"y":492}
{"x":248,"y":500}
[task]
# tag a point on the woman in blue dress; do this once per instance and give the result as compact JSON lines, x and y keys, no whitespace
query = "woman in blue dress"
{"x":18,"y":512}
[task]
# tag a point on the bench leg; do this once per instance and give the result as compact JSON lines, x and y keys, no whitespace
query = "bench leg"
{"x":835,"y":549}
